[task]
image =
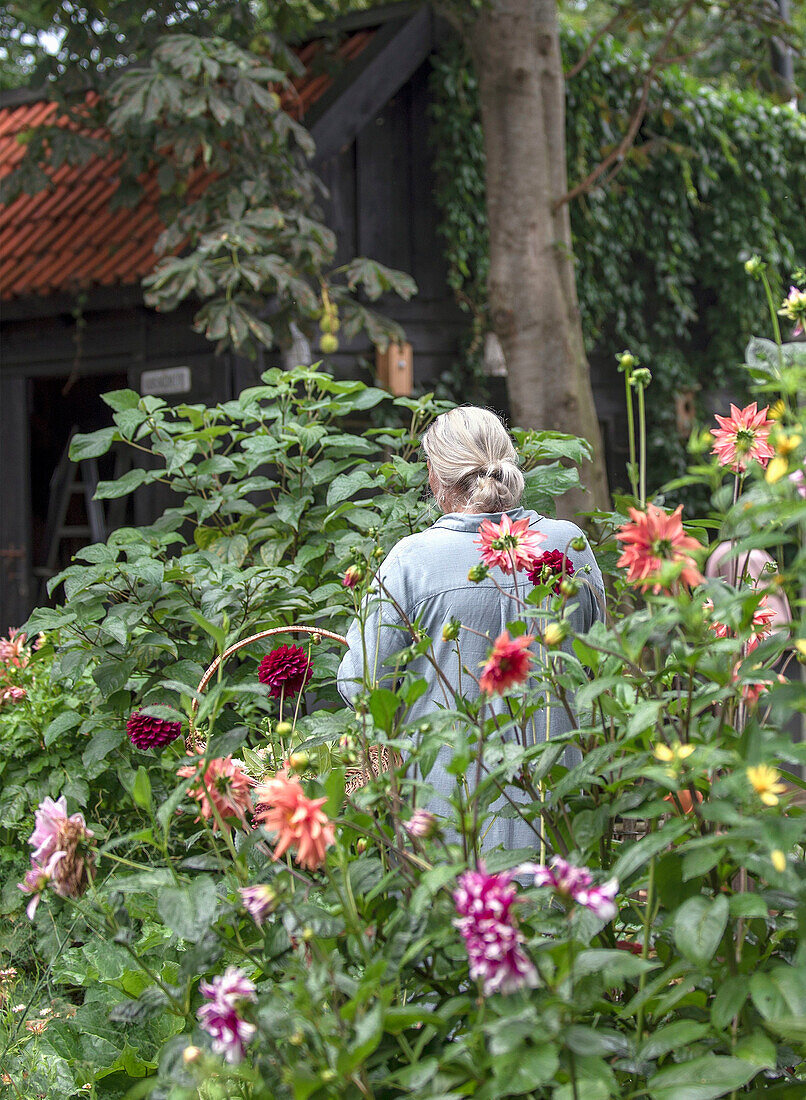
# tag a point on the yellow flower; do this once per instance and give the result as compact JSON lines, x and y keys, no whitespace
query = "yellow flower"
{"x":777,"y":468}
{"x":764,"y":781}
{"x":800,"y":646}
{"x":674,"y":753}
{"x":778,"y":860}
{"x":778,"y":410}
{"x":786,"y":444}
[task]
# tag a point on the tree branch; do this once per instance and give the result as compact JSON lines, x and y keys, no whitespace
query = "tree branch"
{"x":586,"y":54}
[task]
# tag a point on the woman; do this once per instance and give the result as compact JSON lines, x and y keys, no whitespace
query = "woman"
{"x":474,"y":476}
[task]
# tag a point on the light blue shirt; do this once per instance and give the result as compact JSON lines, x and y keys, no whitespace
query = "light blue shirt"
{"x":426,"y":577}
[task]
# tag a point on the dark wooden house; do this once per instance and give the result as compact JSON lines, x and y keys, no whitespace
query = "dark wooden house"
{"x":74,"y":323}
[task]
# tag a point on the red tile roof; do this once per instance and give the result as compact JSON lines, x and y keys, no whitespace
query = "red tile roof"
{"x":68,"y":237}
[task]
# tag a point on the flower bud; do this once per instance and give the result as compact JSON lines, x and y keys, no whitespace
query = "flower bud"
{"x":478,"y":573}
{"x":641,"y":377}
{"x":754,"y":266}
{"x":568,"y":587}
{"x":361,"y":845}
{"x":450,"y":631}
{"x":191,"y":1054}
{"x":578,"y":544}
{"x":626,"y":361}
{"x":778,"y":860}
{"x":421,"y":824}
{"x":296,"y":1038}
{"x":553,"y":634}
{"x":298,"y":761}
{"x":328,"y":344}
{"x":283,"y":729}
{"x":378,"y":552}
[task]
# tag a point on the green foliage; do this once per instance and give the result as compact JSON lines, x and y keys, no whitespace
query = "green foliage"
{"x":713,"y":177}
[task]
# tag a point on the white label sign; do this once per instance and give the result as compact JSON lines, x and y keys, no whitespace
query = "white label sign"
{"x":170,"y":380}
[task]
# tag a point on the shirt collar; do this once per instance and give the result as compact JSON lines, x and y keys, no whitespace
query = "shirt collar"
{"x":472,"y":521}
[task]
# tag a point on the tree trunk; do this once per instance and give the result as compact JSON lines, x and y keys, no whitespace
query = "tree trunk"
{"x":532,"y":289}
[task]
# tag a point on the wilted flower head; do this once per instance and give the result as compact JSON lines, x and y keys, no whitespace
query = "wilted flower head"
{"x":421,"y":824}
{"x":221,"y":784}
{"x":285,"y":671}
{"x":299,"y":822}
{"x":492,"y":939}
{"x":549,"y":568}
{"x":37,"y":879}
{"x":510,"y":544}
{"x":656,"y":542}
{"x":12,"y":694}
{"x":575,"y":884}
{"x":59,"y":855}
{"x":793,"y":308}
{"x":151,"y":733}
{"x":509,"y":663}
{"x":742,"y":437}
{"x":227,"y":995}
{"x":13,"y":649}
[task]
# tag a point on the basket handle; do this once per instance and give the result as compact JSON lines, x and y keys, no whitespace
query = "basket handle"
{"x":192,"y":742}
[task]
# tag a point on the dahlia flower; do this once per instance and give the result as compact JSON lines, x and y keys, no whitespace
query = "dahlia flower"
{"x":654,"y":540}
{"x":550,"y":568}
{"x":421,"y":824}
{"x":258,"y":901}
{"x":227,"y":995}
{"x":764,"y":781}
{"x":761,"y":626}
{"x":742,"y":437}
{"x":298,"y":821}
{"x":223,"y":785}
{"x":575,"y":884}
{"x":13,"y":649}
{"x":793,"y":308}
{"x":493,"y":941}
{"x":510,"y":545}
{"x":285,"y":671}
{"x":12,"y":694}
{"x":509,"y":663}
{"x":151,"y":733}
{"x":353,"y":574}
{"x":37,"y":879}
{"x":59,"y":853}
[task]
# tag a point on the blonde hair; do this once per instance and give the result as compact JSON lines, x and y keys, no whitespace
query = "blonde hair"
{"x":473,"y":460}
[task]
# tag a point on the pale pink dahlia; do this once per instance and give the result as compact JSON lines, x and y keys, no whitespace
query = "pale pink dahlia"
{"x":742,"y":437}
{"x":285,"y":671}
{"x":493,"y":941}
{"x":221,"y":784}
{"x":421,"y":824}
{"x":575,"y":884}
{"x":259,"y":901}
{"x":12,"y":694}
{"x":36,"y":881}
{"x":655,"y":541}
{"x":510,"y":545}
{"x":227,"y":995}
{"x":151,"y":733}
{"x":60,"y":853}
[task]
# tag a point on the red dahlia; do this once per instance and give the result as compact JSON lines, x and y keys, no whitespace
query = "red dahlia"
{"x":151,"y":733}
{"x":285,"y":671}
{"x":550,"y":567}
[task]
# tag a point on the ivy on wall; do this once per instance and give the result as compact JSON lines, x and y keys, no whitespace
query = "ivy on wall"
{"x":714,"y":176}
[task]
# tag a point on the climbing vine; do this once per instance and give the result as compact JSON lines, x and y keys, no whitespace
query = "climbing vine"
{"x":714,"y":176}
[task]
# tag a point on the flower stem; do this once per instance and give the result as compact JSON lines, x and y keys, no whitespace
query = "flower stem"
{"x":642,"y":443}
{"x":631,"y":470}
{"x":650,"y":905}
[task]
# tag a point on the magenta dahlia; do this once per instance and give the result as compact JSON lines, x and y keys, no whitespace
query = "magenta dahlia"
{"x":226,"y":996}
{"x":550,"y":568}
{"x":151,"y":733}
{"x":493,"y":941}
{"x":285,"y":671}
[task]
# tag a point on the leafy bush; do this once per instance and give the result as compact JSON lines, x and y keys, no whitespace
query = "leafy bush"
{"x":659,"y":952}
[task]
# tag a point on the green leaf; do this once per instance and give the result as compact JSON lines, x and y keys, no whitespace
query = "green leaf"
{"x":100,"y":746}
{"x":190,"y":910}
{"x":63,"y":722}
{"x":383,"y":705}
{"x":92,"y":445}
{"x":346,"y":486}
{"x":727,"y":1003}
{"x":699,"y":925}
{"x":141,"y":789}
{"x":703,"y":1078}
{"x":527,"y":1070}
{"x":638,"y":854}
{"x":133,"y":479}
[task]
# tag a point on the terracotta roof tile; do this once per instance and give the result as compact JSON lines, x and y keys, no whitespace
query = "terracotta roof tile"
{"x":69,"y":237}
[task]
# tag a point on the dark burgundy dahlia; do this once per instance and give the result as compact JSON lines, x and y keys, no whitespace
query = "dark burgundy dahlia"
{"x":285,"y":671}
{"x":550,"y":567}
{"x":151,"y":733}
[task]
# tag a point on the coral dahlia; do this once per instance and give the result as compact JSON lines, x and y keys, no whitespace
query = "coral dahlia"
{"x":223,"y":785}
{"x":510,"y":544}
{"x":151,"y":733}
{"x":493,"y":941}
{"x":654,"y":541}
{"x":285,"y":671}
{"x":298,"y":821}
{"x":509,"y":663}
{"x":742,"y":437}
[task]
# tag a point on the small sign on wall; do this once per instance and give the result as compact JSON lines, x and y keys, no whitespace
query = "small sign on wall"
{"x":394,"y":368}
{"x":168,"y":380}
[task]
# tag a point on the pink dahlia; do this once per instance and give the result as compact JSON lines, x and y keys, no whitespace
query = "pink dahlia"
{"x":654,"y":541}
{"x":299,"y":822}
{"x":509,"y":663}
{"x":13,"y":649}
{"x":493,"y":941}
{"x":259,"y":901}
{"x":353,"y":574}
{"x":36,"y":881}
{"x":761,"y":626}
{"x":509,"y":544}
{"x":227,"y":995}
{"x":421,"y":824}
{"x":742,"y":437}
{"x":285,"y":671}
{"x":550,"y":568}
{"x":60,"y":854}
{"x":221,"y":783}
{"x":12,"y":694}
{"x":151,"y":733}
{"x":575,"y":884}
